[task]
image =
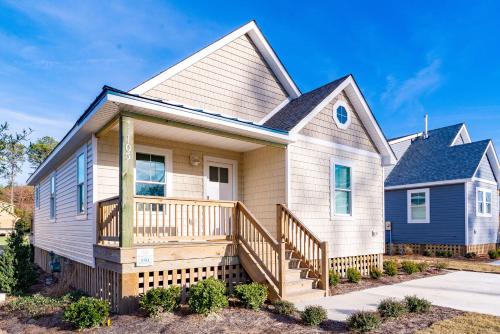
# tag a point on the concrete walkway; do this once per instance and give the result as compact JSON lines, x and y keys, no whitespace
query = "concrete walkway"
{"x":462,"y":290}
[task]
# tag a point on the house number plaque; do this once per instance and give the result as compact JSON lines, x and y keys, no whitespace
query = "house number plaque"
{"x":145,"y":257}
{"x":128,"y":148}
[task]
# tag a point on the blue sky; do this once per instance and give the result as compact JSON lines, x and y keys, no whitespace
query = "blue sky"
{"x":409,"y":58}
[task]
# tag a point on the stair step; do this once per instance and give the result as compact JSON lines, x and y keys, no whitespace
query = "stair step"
{"x":302,"y":284}
{"x":302,"y":296}
{"x":295,"y":274}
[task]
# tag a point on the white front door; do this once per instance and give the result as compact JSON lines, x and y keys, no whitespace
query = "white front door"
{"x":219,"y":183}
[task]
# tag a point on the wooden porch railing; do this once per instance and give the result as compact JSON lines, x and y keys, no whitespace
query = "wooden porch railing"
{"x":311,"y":250}
{"x":108,"y":224}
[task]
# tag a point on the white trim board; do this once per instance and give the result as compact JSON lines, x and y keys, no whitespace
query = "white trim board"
{"x":257,"y":38}
{"x":326,"y":143}
{"x":427,"y":184}
{"x":463,"y":129}
{"x":405,"y":138}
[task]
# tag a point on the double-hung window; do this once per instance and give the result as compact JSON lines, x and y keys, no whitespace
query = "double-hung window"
{"x":342,"y":190}
{"x":80,"y":183}
{"x":483,"y":202}
{"x":418,"y":205}
{"x":52,"y":207}
{"x":150,"y":175}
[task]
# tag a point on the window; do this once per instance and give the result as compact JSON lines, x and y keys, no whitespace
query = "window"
{"x":341,"y":115}
{"x":80,"y":183}
{"x":150,"y":175}
{"x":342,"y":190}
{"x":37,"y":196}
{"x":418,"y":206}
{"x":53,"y":196}
{"x":483,"y":202}
{"x":218,"y":174}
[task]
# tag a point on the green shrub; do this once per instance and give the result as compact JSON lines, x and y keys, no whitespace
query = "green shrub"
{"x":362,"y":321}
{"x":391,"y":308}
{"x":88,"y":312}
{"x":409,"y":267}
{"x":390,"y":268}
{"x":441,"y":253}
{"x":207,"y":296}
{"x":440,"y":265}
{"x":313,"y":315}
{"x":73,"y":296}
{"x":35,"y":306}
{"x":334,"y":278}
{"x":252,"y":295}
{"x":417,"y":305}
{"x":375,"y":273}
{"x":493,"y":254}
{"x":470,"y":255}
{"x":427,"y":253}
{"x":159,"y":300}
{"x":353,"y":275}
{"x":423,"y":266}
{"x":284,"y":307}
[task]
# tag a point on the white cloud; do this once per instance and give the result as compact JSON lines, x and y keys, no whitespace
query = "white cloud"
{"x":20,"y":118}
{"x":408,"y":92}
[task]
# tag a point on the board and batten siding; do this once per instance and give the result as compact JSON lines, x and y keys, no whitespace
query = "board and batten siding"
{"x":483,"y":230}
{"x":265,"y":184}
{"x":447,"y":217}
{"x":69,"y":234}
{"x":234,"y":81}
{"x":187,"y":179}
{"x":310,"y":198}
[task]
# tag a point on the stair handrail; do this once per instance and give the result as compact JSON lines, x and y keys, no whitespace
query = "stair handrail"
{"x":310,"y":249}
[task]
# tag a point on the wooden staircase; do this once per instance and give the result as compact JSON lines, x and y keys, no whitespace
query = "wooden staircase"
{"x":295,"y":268}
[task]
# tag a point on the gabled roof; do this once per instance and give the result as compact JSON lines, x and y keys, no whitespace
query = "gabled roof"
{"x":255,"y":34}
{"x":435,"y":159}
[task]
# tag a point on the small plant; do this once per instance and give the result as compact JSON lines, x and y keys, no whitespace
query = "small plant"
{"x":442,"y":253}
{"x":35,"y":306}
{"x":409,"y":267}
{"x":353,"y":275}
{"x":423,"y":266}
{"x":252,"y":295}
{"x":207,"y":296}
{"x":417,"y":305}
{"x":159,"y":300}
{"x":375,"y":273}
{"x":470,"y":255}
{"x":313,"y":315}
{"x":441,"y":265}
{"x":427,"y":253}
{"x":73,"y":296}
{"x":88,"y":312}
{"x":284,"y":307}
{"x":334,"y":278}
{"x":391,"y":308}
{"x":493,"y":254}
{"x":390,"y":268}
{"x":362,"y":321}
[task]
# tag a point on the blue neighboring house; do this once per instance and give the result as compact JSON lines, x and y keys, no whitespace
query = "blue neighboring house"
{"x":442,"y":194}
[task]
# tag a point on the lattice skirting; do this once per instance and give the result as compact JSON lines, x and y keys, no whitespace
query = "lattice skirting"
{"x":460,"y":250}
{"x":363,"y":263}
{"x":96,"y":282}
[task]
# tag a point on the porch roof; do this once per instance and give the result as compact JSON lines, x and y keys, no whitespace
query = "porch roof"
{"x":111,"y":101}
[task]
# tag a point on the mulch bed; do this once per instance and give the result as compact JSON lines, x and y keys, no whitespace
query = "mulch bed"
{"x":344,"y":286}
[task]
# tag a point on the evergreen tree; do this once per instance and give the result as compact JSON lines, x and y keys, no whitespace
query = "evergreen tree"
{"x":7,"y":279}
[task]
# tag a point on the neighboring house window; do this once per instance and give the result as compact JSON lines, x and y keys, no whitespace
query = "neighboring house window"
{"x":37,"y":196}
{"x":418,"y":205}
{"x":80,"y":183}
{"x":483,"y":202}
{"x":150,"y":175}
{"x":341,"y":114}
{"x":342,"y":190}
{"x":52,"y":196}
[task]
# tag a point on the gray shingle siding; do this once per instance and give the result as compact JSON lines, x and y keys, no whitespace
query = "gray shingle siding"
{"x":482,"y":230}
{"x":447,"y":217}
{"x":484,"y":170}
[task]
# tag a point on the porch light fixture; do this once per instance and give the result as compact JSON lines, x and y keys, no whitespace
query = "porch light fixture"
{"x":194,"y":160}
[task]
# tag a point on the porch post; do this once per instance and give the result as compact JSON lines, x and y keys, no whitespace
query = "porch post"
{"x":127,"y":162}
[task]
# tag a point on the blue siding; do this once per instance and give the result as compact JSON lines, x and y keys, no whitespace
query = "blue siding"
{"x":447,"y":217}
{"x":483,"y":230}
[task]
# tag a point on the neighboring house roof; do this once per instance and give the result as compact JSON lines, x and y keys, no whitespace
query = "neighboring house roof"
{"x":435,"y":159}
{"x":297,"y":109}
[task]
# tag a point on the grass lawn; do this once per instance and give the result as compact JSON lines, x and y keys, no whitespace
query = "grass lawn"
{"x":472,"y":323}
{"x":479,"y":265}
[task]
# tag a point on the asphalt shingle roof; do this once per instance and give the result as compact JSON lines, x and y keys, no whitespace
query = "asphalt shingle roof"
{"x":291,"y":114}
{"x":433,"y":159}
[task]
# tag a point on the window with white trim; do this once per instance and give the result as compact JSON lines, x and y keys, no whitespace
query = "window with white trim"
{"x":80,"y":183}
{"x":341,"y":114}
{"x":418,"y":206}
{"x":150,"y":175}
{"x":52,"y":206}
{"x":483,"y":202}
{"x":37,"y":196}
{"x":341,"y":190}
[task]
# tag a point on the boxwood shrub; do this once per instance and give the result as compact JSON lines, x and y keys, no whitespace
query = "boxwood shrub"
{"x":252,"y":295}
{"x":391,"y":308}
{"x":333,"y":278}
{"x":284,"y":307}
{"x":313,"y":315}
{"x":87,"y":312}
{"x":363,"y":321}
{"x":409,"y":267}
{"x":159,"y":300}
{"x":207,"y":296}
{"x":417,"y":305}
{"x":353,"y":275}
{"x":390,"y":268}
{"x":375,"y":273}
{"x":493,"y":254}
